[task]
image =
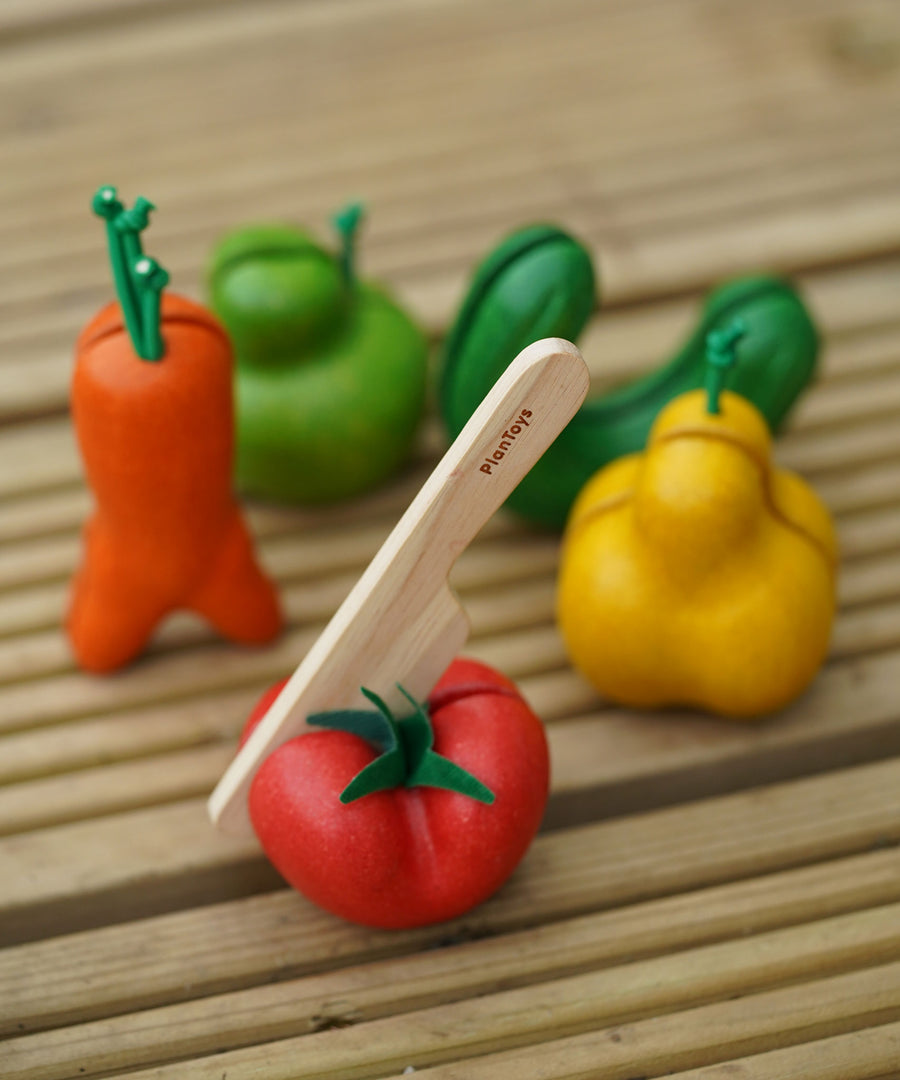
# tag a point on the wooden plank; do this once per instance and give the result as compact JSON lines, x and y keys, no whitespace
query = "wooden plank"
{"x":525,"y":1018}
{"x":520,"y":584}
{"x":870,"y":1054}
{"x":522,"y":597}
{"x":861,"y":441}
{"x":470,"y":184}
{"x":701,"y":183}
{"x":244,"y":944}
{"x":605,"y":762}
{"x":619,"y":761}
{"x":112,"y":789}
{"x":107,"y":740}
{"x":455,"y":233}
{"x":429,"y":51}
{"x":20,"y":18}
{"x":212,"y":668}
{"x":676,"y":186}
{"x":517,"y":977}
{"x":112,"y":869}
{"x":618,"y":344}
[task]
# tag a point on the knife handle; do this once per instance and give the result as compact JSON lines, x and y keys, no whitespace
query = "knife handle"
{"x":514,"y":425}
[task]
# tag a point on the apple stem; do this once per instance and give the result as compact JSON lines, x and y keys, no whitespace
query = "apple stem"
{"x":347,"y":221}
{"x":721,"y":356}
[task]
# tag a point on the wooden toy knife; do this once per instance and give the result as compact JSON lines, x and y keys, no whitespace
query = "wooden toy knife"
{"x":401,"y":623}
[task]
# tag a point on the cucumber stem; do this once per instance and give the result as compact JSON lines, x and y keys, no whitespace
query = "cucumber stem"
{"x":346,"y":221}
{"x":721,"y":356}
{"x":137,"y":279}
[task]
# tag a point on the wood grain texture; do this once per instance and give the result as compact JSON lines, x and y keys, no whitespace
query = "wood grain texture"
{"x":706,"y":899}
{"x":123,"y":867}
{"x":505,"y":1012}
{"x":246,"y":943}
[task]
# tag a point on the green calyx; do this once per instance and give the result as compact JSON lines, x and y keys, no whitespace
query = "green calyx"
{"x":721,"y":356}
{"x":346,"y":221}
{"x":407,"y":758}
{"x":139,"y":280}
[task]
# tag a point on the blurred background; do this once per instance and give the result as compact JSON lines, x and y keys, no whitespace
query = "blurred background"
{"x":682,"y":139}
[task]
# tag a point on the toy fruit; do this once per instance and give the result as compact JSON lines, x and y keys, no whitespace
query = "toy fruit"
{"x":399,"y":824}
{"x":696,"y":573}
{"x":540,"y":282}
{"x":152,"y":407}
{"x":330,"y":371}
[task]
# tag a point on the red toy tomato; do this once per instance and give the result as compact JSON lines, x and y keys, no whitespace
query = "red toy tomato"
{"x":403,"y":856}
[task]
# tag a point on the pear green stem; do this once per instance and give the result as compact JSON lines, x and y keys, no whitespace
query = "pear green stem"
{"x":721,"y":356}
{"x":407,"y":756}
{"x":138,"y":280}
{"x":347,"y":221}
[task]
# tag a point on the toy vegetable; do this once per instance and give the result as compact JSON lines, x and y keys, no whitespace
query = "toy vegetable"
{"x":540,"y":281}
{"x":152,"y":407}
{"x":330,"y":371}
{"x":403,"y":823}
{"x":697,"y":573}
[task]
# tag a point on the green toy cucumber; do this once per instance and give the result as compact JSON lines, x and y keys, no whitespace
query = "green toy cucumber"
{"x":331,"y":372}
{"x":540,"y":283}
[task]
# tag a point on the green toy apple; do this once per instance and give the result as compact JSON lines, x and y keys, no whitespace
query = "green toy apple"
{"x":331,"y":372}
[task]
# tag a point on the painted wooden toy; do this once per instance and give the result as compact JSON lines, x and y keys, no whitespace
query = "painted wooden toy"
{"x":330,"y":370}
{"x":400,"y":822}
{"x":697,"y":573}
{"x":151,"y":402}
{"x":541,"y":281}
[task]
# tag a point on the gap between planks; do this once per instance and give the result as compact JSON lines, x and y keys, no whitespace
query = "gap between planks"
{"x":431,"y":69}
{"x":86,"y":874}
{"x":246,"y":944}
{"x":657,"y":1046}
{"x":511,"y":981}
{"x":854,"y":306}
{"x":519,"y":597}
{"x":605,"y":763}
{"x":838,"y":427}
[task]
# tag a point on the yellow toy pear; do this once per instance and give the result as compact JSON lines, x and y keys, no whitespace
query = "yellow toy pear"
{"x":697,"y":573}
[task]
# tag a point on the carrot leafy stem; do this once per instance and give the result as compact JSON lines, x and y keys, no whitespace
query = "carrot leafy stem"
{"x":138,"y":279}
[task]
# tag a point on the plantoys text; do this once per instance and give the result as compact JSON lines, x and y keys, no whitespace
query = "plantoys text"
{"x":508,"y":438}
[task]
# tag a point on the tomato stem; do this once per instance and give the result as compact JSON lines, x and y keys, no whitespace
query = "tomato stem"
{"x":407,"y":756}
{"x":721,"y":356}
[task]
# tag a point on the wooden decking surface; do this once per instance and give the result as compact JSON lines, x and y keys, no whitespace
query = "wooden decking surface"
{"x":707,"y":899}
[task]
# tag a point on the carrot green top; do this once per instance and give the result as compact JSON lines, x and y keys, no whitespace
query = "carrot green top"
{"x":139,"y":280}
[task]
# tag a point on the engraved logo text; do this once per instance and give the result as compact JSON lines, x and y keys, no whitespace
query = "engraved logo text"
{"x":506,"y":440}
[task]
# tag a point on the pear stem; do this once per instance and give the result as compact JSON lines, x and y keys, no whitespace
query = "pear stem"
{"x":347,"y":221}
{"x":721,"y":356}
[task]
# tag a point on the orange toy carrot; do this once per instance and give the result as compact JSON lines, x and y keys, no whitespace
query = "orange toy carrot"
{"x":153,"y":413}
